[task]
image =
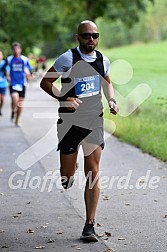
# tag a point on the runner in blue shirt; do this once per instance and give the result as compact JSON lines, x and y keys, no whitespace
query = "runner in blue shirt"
{"x":20,"y":71}
{"x":3,"y":80}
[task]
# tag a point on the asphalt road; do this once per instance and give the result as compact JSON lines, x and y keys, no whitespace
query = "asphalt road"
{"x":37,"y":214}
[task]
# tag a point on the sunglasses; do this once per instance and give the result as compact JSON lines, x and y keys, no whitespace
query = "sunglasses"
{"x":89,"y":35}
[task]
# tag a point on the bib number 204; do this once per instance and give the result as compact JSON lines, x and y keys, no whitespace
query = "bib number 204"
{"x":87,"y":86}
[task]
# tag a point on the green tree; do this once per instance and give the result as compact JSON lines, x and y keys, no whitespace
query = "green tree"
{"x":52,"y":22}
{"x":156,"y":20}
{"x":28,"y":21}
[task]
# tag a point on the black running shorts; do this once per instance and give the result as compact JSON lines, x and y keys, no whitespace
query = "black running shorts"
{"x":70,"y":135}
{"x":21,"y":93}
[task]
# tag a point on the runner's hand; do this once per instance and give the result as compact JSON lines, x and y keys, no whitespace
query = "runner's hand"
{"x":72,"y":103}
{"x":113,"y":107}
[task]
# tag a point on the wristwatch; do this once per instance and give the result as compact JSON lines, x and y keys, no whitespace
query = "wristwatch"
{"x":113,"y":100}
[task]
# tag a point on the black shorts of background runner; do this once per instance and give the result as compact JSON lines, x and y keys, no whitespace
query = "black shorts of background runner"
{"x":21,"y":93}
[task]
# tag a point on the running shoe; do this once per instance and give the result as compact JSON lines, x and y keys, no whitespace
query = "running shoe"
{"x":17,"y":123}
{"x":88,"y":233}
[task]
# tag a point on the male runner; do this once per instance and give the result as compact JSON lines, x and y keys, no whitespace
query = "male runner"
{"x":80,"y":112}
{"x":20,"y":71}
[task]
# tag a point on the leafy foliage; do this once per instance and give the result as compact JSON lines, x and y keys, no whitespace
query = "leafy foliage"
{"x":34,"y":23}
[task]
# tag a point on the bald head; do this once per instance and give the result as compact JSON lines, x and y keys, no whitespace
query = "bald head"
{"x":87,"y":36}
{"x":87,"y":25}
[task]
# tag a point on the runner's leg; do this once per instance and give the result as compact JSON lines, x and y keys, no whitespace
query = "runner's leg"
{"x":1,"y":102}
{"x":91,"y":166}
{"x":67,"y":166}
{"x":15,"y":99}
{"x":19,"y":109}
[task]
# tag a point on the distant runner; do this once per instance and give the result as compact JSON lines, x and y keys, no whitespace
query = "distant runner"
{"x":20,"y":71}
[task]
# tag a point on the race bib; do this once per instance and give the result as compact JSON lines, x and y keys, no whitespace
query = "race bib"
{"x":17,"y":87}
{"x":87,"y":86}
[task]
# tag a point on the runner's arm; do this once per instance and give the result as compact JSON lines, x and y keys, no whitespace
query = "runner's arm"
{"x":47,"y":83}
{"x":8,"y":71}
{"x":109,"y":94}
{"x":28,"y":74}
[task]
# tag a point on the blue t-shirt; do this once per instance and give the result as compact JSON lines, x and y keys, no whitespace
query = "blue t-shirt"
{"x":3,"y":69}
{"x":18,"y":69}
